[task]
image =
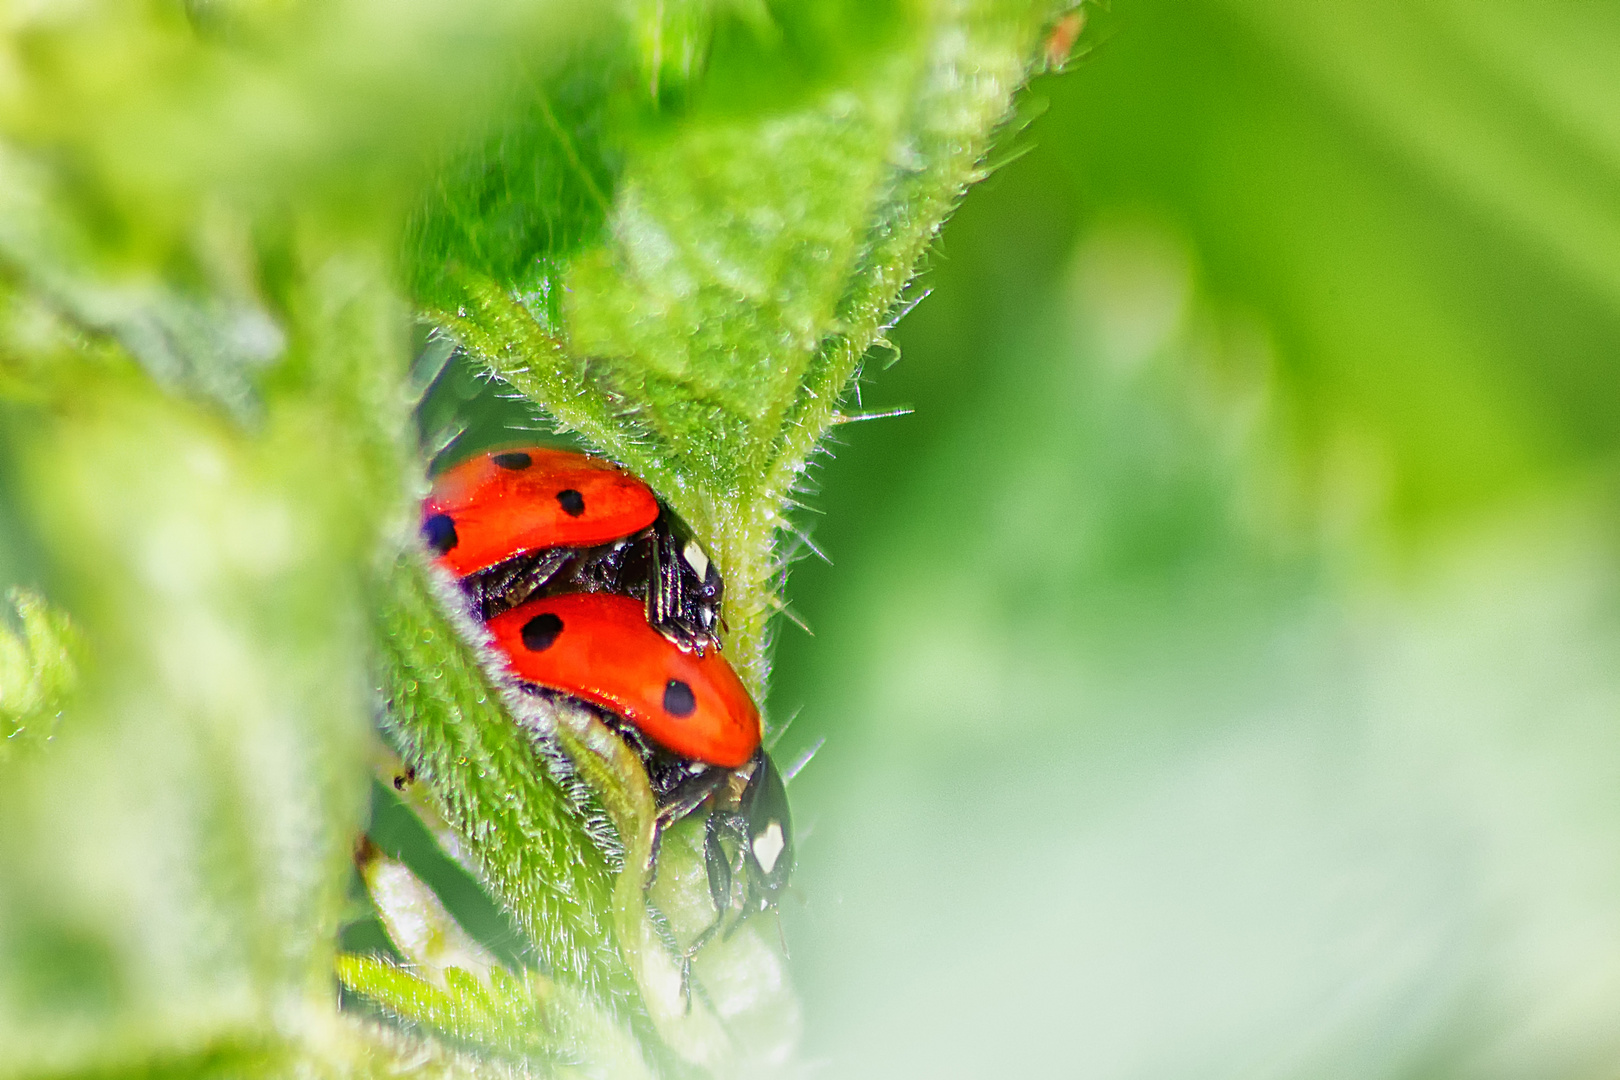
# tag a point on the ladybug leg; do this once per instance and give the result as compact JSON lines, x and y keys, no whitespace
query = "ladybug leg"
{"x":681,"y":800}
{"x":600,"y":569}
{"x":683,"y":587}
{"x":535,"y":575}
{"x":717,"y":863}
{"x":660,"y":613}
{"x":723,"y":869}
{"x":506,"y":585}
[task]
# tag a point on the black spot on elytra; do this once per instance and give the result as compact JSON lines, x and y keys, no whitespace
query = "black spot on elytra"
{"x":539,"y":632}
{"x":678,"y":699}
{"x":572,"y":502}
{"x":440,"y":533}
{"x":515,"y":461}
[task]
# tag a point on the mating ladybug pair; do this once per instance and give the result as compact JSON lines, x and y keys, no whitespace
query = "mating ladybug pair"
{"x":594,"y":589}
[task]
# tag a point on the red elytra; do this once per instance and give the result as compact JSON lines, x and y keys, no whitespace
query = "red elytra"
{"x":599,"y":647}
{"x":506,"y":502}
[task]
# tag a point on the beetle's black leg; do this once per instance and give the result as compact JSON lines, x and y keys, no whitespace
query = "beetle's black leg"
{"x":689,"y":794}
{"x":649,"y":876}
{"x":669,"y":584}
{"x":686,"y":980}
{"x":722,"y":869}
{"x":658,"y":570}
{"x":701,"y":940}
{"x":504,"y":586}
{"x":717,"y":863}
{"x":626,"y":572}
{"x":539,"y":572}
{"x":686,"y":797}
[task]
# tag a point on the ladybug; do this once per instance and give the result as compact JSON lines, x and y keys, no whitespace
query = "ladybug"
{"x":536,"y":521}
{"x":688,"y":717}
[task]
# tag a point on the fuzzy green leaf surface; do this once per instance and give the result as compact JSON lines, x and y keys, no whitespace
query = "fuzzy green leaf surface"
{"x":523,"y":830}
{"x":760,"y":235}
{"x":688,"y":279}
{"x":171,"y":872}
{"x":524,"y":1017}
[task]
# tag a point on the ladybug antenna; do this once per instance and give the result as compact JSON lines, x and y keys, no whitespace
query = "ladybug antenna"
{"x":803,"y":759}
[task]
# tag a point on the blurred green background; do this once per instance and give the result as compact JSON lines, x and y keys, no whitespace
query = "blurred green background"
{"x":1218,"y":670}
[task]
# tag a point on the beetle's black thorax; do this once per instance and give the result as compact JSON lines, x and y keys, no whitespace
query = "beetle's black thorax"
{"x":659,"y":566}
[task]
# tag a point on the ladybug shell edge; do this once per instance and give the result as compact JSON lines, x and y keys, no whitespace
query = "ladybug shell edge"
{"x":498,"y":504}
{"x":600,"y":647}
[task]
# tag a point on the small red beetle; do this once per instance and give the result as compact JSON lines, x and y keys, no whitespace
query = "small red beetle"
{"x":496,"y":505}
{"x":514,"y":524}
{"x":598,"y":647}
{"x":595,"y":589}
{"x":691,"y":719}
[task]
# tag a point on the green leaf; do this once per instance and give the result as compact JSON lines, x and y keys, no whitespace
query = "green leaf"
{"x":211,"y":341}
{"x":525,"y":1016}
{"x":524,"y":830}
{"x":752,"y":256}
{"x":170,"y":877}
{"x":530,"y":190}
{"x":406,"y":827}
{"x":39,"y":669}
{"x":690,"y":284}
{"x":417,"y":922}
{"x":171,"y":874}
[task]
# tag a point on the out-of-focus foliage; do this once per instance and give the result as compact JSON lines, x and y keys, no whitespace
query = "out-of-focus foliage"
{"x":38,"y":671}
{"x":499,"y":1014}
{"x":1226,"y":684}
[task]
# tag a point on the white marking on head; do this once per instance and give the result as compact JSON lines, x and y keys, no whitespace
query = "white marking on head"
{"x":768,"y":846}
{"x":696,"y":559}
